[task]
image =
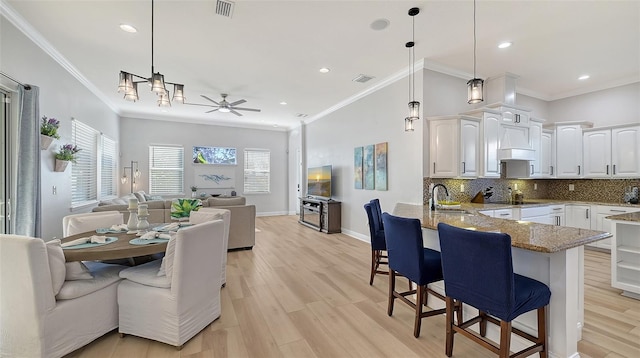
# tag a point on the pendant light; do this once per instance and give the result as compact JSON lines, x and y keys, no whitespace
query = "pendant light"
{"x":475,"y":86}
{"x":414,"y":106}
{"x":129,"y":87}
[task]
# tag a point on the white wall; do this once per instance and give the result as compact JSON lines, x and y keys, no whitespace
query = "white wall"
{"x":61,"y":97}
{"x":539,"y":108}
{"x":137,"y":134}
{"x":619,"y":105}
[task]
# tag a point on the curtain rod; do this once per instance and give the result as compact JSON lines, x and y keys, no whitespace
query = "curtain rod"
{"x":27,"y":87}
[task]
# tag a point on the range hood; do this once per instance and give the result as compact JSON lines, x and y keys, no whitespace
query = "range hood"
{"x":514,"y":144}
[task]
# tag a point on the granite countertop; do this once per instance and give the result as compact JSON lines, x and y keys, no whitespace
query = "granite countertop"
{"x":633,"y":217}
{"x":525,"y":235}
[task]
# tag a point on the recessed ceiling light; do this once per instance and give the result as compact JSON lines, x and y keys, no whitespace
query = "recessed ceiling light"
{"x":504,"y":44}
{"x":283,"y":103}
{"x":380,"y":24}
{"x":128,"y":28}
{"x":324,"y":70}
{"x":583,"y":77}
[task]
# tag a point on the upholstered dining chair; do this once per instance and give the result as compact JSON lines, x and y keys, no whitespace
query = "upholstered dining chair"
{"x":211,"y":214}
{"x":378,"y":244}
{"x":78,"y":223}
{"x":408,"y":257}
{"x":478,"y":271}
{"x":174,"y":305}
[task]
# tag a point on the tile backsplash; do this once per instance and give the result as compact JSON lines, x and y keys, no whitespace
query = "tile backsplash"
{"x":594,"y":190}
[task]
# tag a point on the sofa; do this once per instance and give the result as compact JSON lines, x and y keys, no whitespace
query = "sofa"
{"x":242,"y":230}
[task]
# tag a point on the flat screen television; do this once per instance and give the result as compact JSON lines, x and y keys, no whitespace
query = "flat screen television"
{"x":319,"y":182}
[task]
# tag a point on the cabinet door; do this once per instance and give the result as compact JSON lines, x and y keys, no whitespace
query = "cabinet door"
{"x":568,"y":151}
{"x":535,"y":141}
{"x":596,"y":148}
{"x":578,"y":216}
{"x":491,"y":135}
{"x":625,"y":154}
{"x":469,"y":141}
{"x":444,"y":148}
{"x":546,"y":140}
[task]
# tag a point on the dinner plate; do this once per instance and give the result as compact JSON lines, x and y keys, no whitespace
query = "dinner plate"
{"x":162,"y":228}
{"x":139,"y":241}
{"x":109,"y":240}
{"x":110,"y":231}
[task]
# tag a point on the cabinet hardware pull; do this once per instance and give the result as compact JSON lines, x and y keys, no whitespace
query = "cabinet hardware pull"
{"x":464,"y":168}
{"x":578,"y":170}
{"x":434,"y":167}
{"x":614,"y":169}
{"x":587,"y":213}
{"x":617,"y":211}
{"x":551,"y":169}
{"x":607,"y":169}
{"x":531,"y":168}
{"x":517,"y":118}
{"x":557,"y":208}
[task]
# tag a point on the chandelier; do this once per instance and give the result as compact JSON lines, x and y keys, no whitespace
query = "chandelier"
{"x":129,"y":85}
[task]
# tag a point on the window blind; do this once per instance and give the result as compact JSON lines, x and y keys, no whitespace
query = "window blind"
{"x":84,"y":170}
{"x":257,"y":171}
{"x":108,"y":167}
{"x":166,"y":170}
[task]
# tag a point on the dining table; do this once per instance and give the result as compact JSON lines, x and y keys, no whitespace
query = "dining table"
{"x":119,"y":249}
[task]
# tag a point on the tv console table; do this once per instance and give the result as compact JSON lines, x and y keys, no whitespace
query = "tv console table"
{"x":322,"y":215}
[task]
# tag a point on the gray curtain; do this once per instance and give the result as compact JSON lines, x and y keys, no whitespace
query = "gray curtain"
{"x":27,"y":213}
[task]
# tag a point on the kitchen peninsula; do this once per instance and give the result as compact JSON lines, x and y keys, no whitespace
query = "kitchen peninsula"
{"x":550,"y":254}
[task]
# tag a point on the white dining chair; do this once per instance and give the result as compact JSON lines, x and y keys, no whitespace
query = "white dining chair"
{"x":211,"y":214}
{"x":174,"y":307}
{"x":79,"y":223}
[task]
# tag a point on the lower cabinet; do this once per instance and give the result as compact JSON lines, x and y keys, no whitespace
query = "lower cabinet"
{"x":598,"y":221}
{"x":625,"y":257}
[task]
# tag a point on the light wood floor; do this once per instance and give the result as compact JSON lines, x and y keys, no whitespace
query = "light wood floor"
{"x":300,"y":293}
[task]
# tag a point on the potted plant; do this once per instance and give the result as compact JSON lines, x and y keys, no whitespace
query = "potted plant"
{"x":193,"y":191}
{"x":48,"y":132}
{"x":66,"y":154}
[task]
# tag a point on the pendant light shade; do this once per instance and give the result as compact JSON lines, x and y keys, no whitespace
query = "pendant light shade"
{"x":475,"y":89}
{"x":129,"y":87}
{"x":414,"y":106}
{"x":475,"y":86}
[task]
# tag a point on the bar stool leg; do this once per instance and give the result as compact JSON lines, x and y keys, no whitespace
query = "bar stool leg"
{"x":392,"y":288}
{"x":420,"y":297}
{"x":542,"y":331}
{"x":373,"y":266}
{"x":505,"y":339}
{"x":448,"y":348}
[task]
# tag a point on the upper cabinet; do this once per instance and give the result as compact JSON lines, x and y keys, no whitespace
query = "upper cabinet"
{"x":454,"y":146}
{"x":612,"y":152}
{"x":489,"y":144}
{"x":547,"y":154}
{"x":568,"y":138}
{"x":535,"y":141}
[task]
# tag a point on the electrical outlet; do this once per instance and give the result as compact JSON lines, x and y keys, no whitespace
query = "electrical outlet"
{"x":54,"y":190}
{"x":462,"y":188}
{"x":571,"y":187}
{"x":535,"y":186}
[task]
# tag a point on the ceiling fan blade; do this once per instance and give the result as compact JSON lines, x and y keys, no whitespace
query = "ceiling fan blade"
{"x":237,"y":102}
{"x":236,"y":113}
{"x":247,"y":109}
{"x":205,"y":97}
{"x":199,"y":104}
{"x":213,"y":110}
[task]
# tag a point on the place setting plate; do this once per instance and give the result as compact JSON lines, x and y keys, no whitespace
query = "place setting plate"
{"x":86,"y":245}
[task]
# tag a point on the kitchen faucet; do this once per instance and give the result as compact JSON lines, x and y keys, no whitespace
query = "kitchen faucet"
{"x":434,"y":200}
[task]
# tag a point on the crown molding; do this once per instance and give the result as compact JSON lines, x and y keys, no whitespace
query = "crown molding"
{"x":28,"y":30}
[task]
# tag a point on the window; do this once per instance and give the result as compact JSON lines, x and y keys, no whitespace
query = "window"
{"x":257,"y":171}
{"x":93,"y":176}
{"x":84,"y":182}
{"x":166,"y":170}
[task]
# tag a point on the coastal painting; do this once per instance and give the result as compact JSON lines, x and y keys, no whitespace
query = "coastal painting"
{"x":357,"y":167}
{"x":368,"y":167}
{"x":207,"y":177}
{"x":381,"y":166}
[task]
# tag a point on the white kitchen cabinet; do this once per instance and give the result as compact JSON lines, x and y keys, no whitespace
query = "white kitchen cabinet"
{"x":598,"y":221}
{"x":489,"y":143}
{"x":578,"y":216}
{"x":538,"y":214}
{"x":503,"y":213}
{"x":513,"y":115}
{"x":454,"y":143}
{"x":569,"y":150}
{"x":547,"y":154}
{"x":556,"y":215}
{"x":612,"y":152}
{"x":535,"y":142}
{"x":625,"y":257}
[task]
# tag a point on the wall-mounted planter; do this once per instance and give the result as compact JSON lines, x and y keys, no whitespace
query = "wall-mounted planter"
{"x":45,"y":141}
{"x":61,"y":165}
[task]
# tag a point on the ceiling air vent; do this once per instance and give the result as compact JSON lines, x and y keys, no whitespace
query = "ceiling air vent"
{"x":362,"y":78}
{"x":302,"y":115}
{"x":224,"y":8}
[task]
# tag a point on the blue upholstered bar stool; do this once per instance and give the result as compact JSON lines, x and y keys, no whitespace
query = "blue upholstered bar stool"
{"x":408,"y":257}
{"x":478,"y":271}
{"x":378,"y":244}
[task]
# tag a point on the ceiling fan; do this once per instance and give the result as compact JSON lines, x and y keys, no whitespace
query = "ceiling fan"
{"x":224,"y":106}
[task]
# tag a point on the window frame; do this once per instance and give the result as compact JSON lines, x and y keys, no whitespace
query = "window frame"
{"x":153,"y":171}
{"x":253,"y":171}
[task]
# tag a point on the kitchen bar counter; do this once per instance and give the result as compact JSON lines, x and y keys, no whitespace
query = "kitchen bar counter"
{"x":550,"y":254}
{"x":525,"y":235}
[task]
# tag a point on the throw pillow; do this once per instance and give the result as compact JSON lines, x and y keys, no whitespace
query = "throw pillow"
{"x":76,"y":270}
{"x":181,"y":208}
{"x":56,"y":264}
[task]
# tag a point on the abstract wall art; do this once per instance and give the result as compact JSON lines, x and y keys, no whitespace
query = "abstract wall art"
{"x":357,"y":167}
{"x":381,"y":166}
{"x":369,"y":167}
